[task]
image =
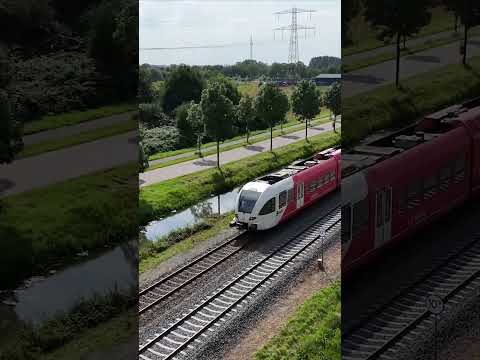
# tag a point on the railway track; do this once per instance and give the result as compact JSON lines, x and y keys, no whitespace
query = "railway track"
{"x":180,"y":278}
{"x":185,"y":331}
{"x":391,"y":330}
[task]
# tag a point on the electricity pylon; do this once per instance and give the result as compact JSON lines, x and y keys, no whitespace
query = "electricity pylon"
{"x":293,"y":55}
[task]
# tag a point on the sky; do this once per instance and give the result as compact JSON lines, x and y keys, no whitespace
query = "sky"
{"x":168,"y":24}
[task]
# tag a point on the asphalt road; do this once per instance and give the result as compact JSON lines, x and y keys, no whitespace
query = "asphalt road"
{"x":188,"y":167}
{"x":56,"y":166}
{"x":372,"y":77}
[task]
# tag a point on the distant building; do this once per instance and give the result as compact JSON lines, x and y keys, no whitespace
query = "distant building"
{"x":327,"y":79}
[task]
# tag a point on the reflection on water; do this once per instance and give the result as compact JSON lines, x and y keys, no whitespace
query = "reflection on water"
{"x":114,"y":270}
{"x":219,"y":204}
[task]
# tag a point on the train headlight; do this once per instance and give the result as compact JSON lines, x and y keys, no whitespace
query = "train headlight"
{"x":252,"y":218}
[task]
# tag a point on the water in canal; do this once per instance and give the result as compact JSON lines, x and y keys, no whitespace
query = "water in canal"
{"x":115,"y":269}
{"x":219,"y":204}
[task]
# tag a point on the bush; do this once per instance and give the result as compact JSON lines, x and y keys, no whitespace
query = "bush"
{"x":152,"y":116}
{"x":56,"y":83}
{"x":160,"y":139}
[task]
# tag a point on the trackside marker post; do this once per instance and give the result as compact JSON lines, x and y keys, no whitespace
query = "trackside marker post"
{"x":435,"y":306}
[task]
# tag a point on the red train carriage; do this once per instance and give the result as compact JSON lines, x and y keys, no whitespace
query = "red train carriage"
{"x":274,"y":198}
{"x":397,"y":182}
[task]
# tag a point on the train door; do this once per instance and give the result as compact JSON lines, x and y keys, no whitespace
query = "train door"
{"x":383,"y":216}
{"x":300,"y":194}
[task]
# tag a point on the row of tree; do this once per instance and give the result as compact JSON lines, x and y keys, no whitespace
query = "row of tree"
{"x":252,"y":69}
{"x":215,"y":109}
{"x":400,"y":19}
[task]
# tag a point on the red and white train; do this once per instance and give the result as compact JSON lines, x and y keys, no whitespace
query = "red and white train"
{"x":274,"y":198}
{"x":395,"y":183}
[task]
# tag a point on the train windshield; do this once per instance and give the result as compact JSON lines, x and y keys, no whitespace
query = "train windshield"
{"x":247,"y":201}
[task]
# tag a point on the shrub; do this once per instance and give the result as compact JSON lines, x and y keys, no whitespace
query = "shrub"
{"x":160,"y":139}
{"x":152,"y":116}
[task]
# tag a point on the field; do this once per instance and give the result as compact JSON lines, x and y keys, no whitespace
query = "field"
{"x":388,"y":106}
{"x":161,"y":199}
{"x":312,"y":333}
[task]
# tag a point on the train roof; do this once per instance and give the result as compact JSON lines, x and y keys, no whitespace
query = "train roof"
{"x":297,"y":167}
{"x":386,"y":144}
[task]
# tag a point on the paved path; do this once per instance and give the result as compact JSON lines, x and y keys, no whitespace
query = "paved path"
{"x":372,"y":77}
{"x":223,"y":145}
{"x":56,"y":166}
{"x":188,"y":167}
{"x":351,"y":59}
{"x":67,"y":131}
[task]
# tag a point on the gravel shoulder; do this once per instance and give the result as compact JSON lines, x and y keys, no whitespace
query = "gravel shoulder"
{"x":277,"y":316}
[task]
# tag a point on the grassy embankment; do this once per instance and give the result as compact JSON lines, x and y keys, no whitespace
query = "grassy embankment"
{"x":428,"y":44}
{"x":50,"y":122}
{"x":153,"y":253}
{"x":389,"y":107}
{"x":263,"y":135}
{"x":47,"y":227}
{"x":312,"y":333}
{"x":161,"y":199}
{"x":80,"y":138}
{"x":91,"y":325}
{"x":364,"y":37}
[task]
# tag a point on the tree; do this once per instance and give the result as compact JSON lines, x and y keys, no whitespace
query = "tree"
{"x":246,"y":114}
{"x":187,"y":134}
{"x":350,"y":9}
{"x":143,"y":158}
{"x":10,"y":132}
{"x":469,"y":13}
{"x":306,"y":102}
{"x":145,"y":79}
{"x":230,"y":89}
{"x":271,"y":104}
{"x":397,"y":19}
{"x":333,"y":100}
{"x":217,"y":110}
{"x":184,"y":84}
{"x":195,"y":120}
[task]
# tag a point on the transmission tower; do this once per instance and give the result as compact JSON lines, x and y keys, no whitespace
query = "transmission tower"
{"x":293,"y":55}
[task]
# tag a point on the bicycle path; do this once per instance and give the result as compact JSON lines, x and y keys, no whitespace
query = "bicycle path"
{"x":208,"y":162}
{"x":69,"y":130}
{"x":222,"y":145}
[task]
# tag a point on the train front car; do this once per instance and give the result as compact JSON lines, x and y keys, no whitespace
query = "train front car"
{"x":257,"y":207}
{"x":271,"y":199}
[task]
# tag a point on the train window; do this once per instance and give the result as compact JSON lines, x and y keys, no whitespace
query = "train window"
{"x":379,"y":209}
{"x":445,"y":174}
{"x":290,"y":195}
{"x":312,"y":186}
{"x":402,"y":201}
{"x":415,"y":194}
{"x":247,"y":201}
{"x":460,"y":169}
{"x":346,"y":233}
{"x":282,"y":199}
{"x":431,"y":183}
{"x":360,"y":215}
{"x":388,"y":205}
{"x":268,"y":208}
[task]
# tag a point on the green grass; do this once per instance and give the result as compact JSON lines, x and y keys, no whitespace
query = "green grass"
{"x":388,"y":106}
{"x":77,"y":139}
{"x":81,"y":330}
{"x":263,"y":136}
{"x":312,"y":333}
{"x":186,"y":240}
{"x":364,"y":37}
{"x":56,"y":121}
{"x":160,"y":199}
{"x":54,"y":223}
{"x":291,"y":121}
